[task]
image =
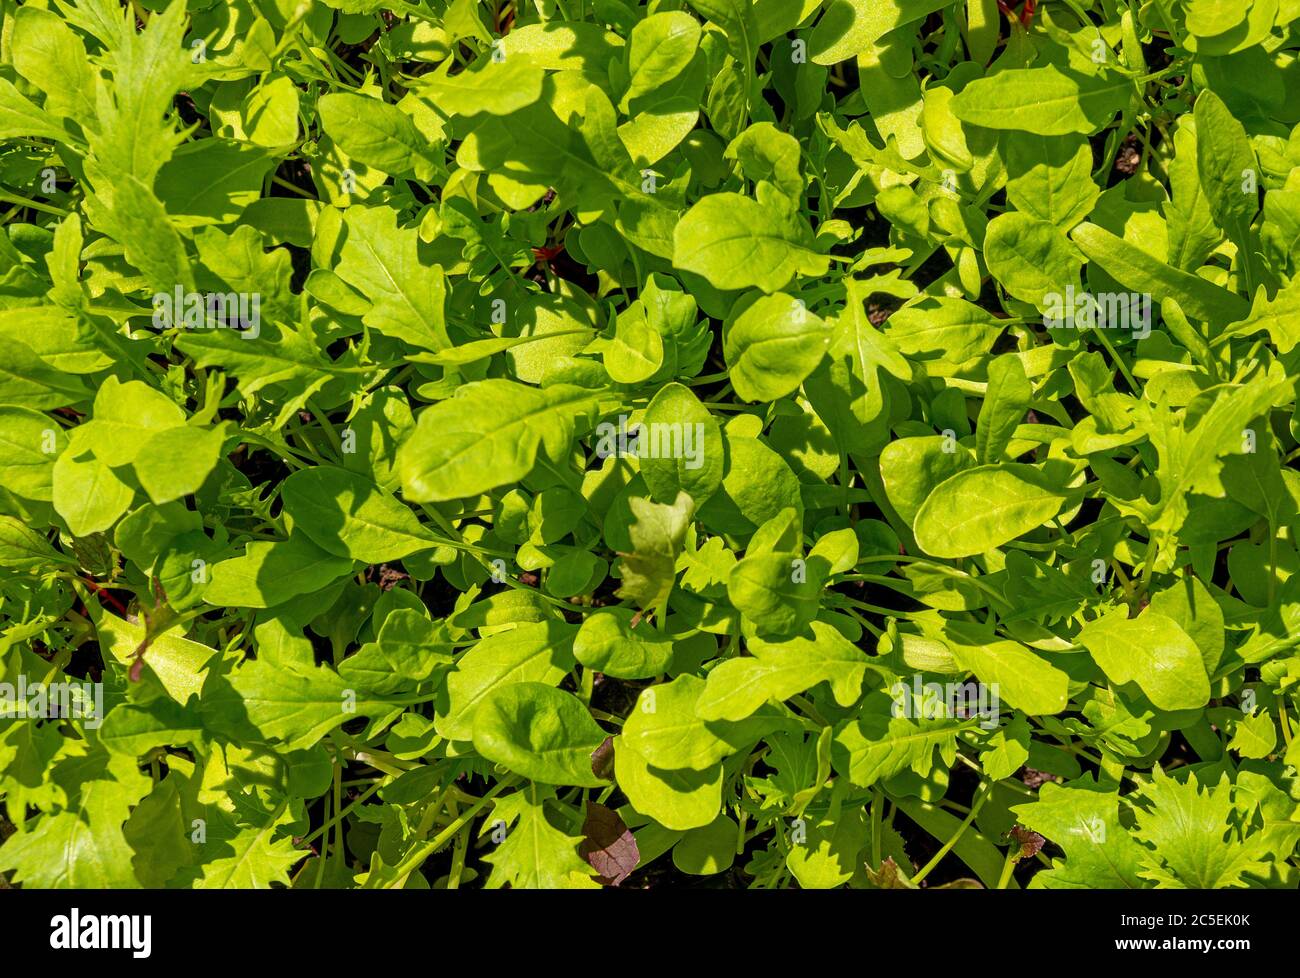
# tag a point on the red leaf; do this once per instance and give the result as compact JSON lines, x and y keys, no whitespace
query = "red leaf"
{"x":608,"y":845}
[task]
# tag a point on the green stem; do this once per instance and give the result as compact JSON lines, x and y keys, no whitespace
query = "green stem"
{"x":878,"y":632}
{"x":458,"y":860}
{"x":339,"y":854}
{"x":34,"y":205}
{"x":1272,"y":561}
{"x":877,"y":800}
{"x":1007,"y":867}
{"x":877,"y":610}
{"x":844,"y":485}
{"x":1119,"y":362}
{"x":412,"y":862}
{"x":956,"y":837}
{"x":1148,"y":565}
{"x":281,"y":182}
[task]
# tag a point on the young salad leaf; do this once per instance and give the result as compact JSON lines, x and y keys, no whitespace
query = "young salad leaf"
{"x":566,"y":444}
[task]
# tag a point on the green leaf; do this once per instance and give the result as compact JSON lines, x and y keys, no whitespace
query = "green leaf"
{"x":540,"y":732}
{"x":1193,"y":234}
{"x":660,"y":48}
{"x":774,"y":591}
{"x":1193,"y":844}
{"x":212,"y":181}
{"x":1031,"y":258}
{"x":488,"y":86}
{"x":126,"y":416}
{"x":1191,"y":460}
{"x":1152,"y":651}
{"x":1137,"y":270}
{"x":1046,"y":101}
{"x":708,"y":850}
{"x":296,"y":703}
{"x":52,"y":57}
{"x":676,"y":417}
{"x":1277,"y":317}
{"x":535,"y":854}
{"x":20,"y":117}
{"x":1194,"y":609}
{"x":665,"y":729}
{"x":1082,"y":817}
{"x":979,"y":509}
{"x":943,"y":328}
{"x":27,"y":381}
{"x":772,"y":346}
{"x":738,"y":243}
{"x":533,"y":652}
{"x":157,"y":832}
{"x":374,"y":132}
{"x":270,"y":573}
{"x":175,"y":462}
{"x":677,"y":799}
{"x":257,"y":859}
{"x":29,"y":443}
{"x":1227,"y":167}
{"x":610,"y":643}
{"x":758,"y":485}
{"x":845,"y":390}
{"x":88,"y":494}
{"x":1005,"y":403}
{"x":22,"y":547}
{"x":876,"y":747}
{"x":382,"y":262}
{"x":79,"y":848}
{"x":349,"y":516}
{"x":656,"y":533}
{"x":1255,"y":736}
{"x":1026,"y":681}
{"x":490,"y":434}
{"x":179,"y":663}
{"x":828,"y":856}
{"x":779,"y":670}
{"x":1050,"y":178}
{"x":738,"y":20}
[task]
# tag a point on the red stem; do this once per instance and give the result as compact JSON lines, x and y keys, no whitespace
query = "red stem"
{"x":103,"y":593}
